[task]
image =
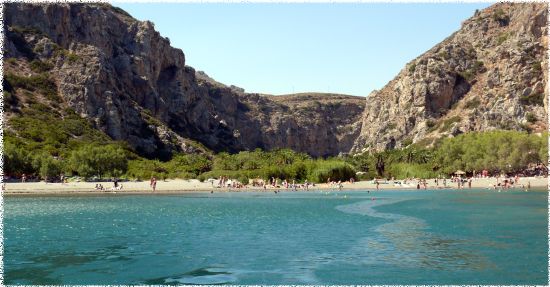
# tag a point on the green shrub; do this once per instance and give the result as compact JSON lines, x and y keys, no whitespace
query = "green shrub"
{"x":92,"y":160}
{"x":502,"y":37}
{"x":16,"y":159}
{"x":407,"y":170}
{"x":412,"y":68}
{"x":448,"y":122}
{"x":531,"y":118}
{"x":27,"y":30}
{"x":72,"y":58}
{"x":425,"y":142}
{"x":40,"y":82}
{"x":12,"y":61}
{"x":532,"y":99}
{"x":406,"y":142}
{"x":526,"y":127}
{"x":468,"y":75}
{"x":40,"y":66}
{"x":243,"y":179}
{"x":478,"y":67}
{"x":50,"y":168}
{"x":472,"y":104}
{"x":10,"y":99}
{"x":430,"y":123}
{"x":333,"y":170}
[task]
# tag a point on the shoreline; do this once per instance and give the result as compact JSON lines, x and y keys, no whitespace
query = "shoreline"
{"x":180,"y":186}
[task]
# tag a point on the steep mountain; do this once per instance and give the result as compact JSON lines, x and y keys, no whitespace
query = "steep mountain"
{"x":93,"y":64}
{"x":123,"y":77}
{"x":491,"y":74}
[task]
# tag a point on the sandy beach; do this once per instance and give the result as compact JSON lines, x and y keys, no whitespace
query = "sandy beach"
{"x":193,"y":185}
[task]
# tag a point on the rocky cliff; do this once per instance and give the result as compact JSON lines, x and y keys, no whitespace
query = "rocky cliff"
{"x":125,"y":78}
{"x":491,"y":74}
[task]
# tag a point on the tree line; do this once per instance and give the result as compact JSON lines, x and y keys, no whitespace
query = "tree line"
{"x":495,"y":151}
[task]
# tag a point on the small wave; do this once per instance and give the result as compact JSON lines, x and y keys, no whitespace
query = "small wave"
{"x":201,"y":276}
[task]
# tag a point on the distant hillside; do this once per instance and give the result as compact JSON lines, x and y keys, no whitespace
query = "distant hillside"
{"x":125,"y":80}
{"x":491,"y":74}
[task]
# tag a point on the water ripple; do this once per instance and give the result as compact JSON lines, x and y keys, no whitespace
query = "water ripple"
{"x":405,"y":242}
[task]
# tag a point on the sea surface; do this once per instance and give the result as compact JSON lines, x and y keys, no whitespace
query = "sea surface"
{"x":355,"y":237}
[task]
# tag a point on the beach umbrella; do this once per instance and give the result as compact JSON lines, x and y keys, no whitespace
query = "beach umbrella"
{"x":460,"y":172}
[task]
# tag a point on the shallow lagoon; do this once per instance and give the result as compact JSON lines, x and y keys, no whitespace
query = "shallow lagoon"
{"x":400,"y":237}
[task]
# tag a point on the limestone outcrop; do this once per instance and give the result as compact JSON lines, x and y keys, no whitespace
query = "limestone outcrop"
{"x":491,"y":74}
{"x":122,"y":75}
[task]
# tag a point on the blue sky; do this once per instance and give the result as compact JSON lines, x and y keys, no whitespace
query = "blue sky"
{"x":277,"y":48}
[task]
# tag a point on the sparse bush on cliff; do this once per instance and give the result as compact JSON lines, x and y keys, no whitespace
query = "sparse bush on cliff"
{"x":530,"y":117}
{"x":472,"y":104}
{"x":537,"y":67}
{"x":40,"y":66}
{"x":532,"y":99}
{"x":502,"y":37}
{"x":41,"y":83}
{"x":412,"y":68}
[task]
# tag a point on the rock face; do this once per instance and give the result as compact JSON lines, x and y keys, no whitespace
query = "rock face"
{"x":491,"y":74}
{"x":126,"y":78}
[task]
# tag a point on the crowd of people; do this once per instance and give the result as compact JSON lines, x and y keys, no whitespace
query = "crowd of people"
{"x":459,"y":180}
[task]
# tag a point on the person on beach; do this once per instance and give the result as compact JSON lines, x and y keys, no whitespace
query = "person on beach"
{"x":470,"y":183}
{"x":153,"y":183}
{"x":23,"y":178}
{"x":377,"y":184}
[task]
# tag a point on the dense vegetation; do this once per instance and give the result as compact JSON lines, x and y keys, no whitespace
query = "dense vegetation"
{"x":42,"y":139}
{"x":497,"y":151}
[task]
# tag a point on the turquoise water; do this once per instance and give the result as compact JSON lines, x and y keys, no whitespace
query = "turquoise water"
{"x":400,"y":237}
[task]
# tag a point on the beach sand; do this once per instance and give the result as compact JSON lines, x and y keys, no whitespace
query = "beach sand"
{"x":190,"y":186}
